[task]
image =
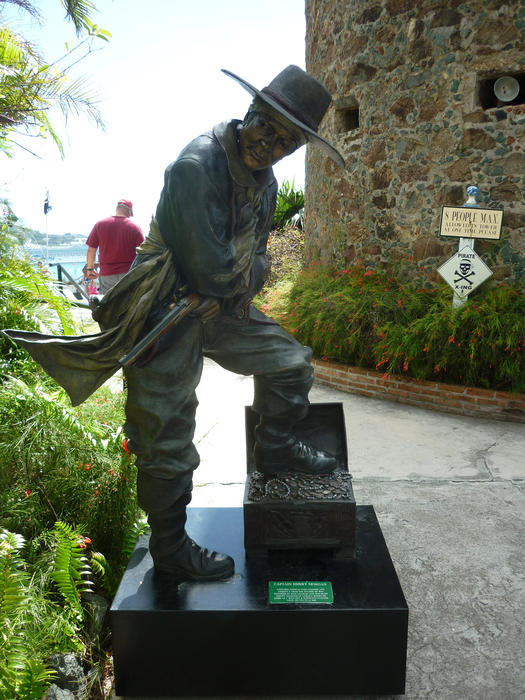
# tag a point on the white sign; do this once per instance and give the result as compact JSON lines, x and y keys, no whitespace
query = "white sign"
{"x":471,"y":222}
{"x":464,"y":271}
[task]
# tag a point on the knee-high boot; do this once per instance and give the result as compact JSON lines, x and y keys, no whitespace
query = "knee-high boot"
{"x":277,"y":450}
{"x":172,"y":550}
{"x":281,"y":399}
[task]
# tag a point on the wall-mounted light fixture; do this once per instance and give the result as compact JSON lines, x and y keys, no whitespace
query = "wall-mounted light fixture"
{"x":502,"y":90}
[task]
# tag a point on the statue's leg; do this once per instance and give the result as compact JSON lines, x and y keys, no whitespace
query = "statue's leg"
{"x":283,"y":377}
{"x":160,"y":423}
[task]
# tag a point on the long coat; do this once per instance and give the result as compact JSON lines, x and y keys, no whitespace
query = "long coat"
{"x":214,"y":217}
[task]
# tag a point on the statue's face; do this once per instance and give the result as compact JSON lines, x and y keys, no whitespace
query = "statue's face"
{"x":263,"y":142}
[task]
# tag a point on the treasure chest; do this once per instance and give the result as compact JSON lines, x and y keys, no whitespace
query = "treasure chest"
{"x":295,"y":511}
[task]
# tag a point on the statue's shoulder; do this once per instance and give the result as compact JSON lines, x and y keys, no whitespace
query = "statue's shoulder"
{"x":204,"y":151}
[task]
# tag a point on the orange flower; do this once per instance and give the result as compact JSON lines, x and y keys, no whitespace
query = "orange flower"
{"x":125,"y":446}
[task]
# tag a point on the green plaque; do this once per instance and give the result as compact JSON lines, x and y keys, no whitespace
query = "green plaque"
{"x":300,"y":592}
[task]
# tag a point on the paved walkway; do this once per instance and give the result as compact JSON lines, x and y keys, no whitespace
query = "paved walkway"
{"x":449,"y":495}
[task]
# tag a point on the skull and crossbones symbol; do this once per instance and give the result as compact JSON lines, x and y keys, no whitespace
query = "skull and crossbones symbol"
{"x":465,"y":272}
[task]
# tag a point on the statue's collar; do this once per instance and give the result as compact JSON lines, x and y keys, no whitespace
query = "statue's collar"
{"x":226,"y":135}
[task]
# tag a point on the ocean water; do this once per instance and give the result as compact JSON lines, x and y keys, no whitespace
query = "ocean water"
{"x":72,"y":258}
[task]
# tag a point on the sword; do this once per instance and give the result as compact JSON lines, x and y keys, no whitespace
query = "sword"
{"x":180,"y":309}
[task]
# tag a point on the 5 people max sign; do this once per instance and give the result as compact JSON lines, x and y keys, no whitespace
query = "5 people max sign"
{"x":470,"y":222}
{"x":465,"y":270}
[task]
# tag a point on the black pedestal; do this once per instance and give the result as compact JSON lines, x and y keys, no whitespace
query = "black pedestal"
{"x":227,"y":638}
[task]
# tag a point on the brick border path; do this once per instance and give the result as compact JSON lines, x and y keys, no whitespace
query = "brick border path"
{"x":450,"y":398}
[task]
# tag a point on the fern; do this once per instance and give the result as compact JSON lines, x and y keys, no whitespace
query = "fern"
{"x":12,"y":577}
{"x":101,"y":567}
{"x":13,"y":587}
{"x":21,"y":676}
{"x":35,"y":678}
{"x":138,"y":528}
{"x":70,"y":566}
{"x":31,"y":681}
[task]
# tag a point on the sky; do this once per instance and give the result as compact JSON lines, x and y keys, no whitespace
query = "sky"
{"x":159,"y":85}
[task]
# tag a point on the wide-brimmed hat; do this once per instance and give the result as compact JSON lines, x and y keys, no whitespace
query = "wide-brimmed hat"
{"x":300,"y":98}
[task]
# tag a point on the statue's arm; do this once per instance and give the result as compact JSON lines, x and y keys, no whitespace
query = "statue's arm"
{"x":194,"y":216}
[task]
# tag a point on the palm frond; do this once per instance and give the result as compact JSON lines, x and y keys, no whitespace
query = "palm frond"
{"x":27,"y":6}
{"x":30,"y":88}
{"x":41,"y":294}
{"x":78,"y":12}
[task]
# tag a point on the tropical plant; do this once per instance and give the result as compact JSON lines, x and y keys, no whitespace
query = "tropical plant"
{"x":67,"y":485}
{"x":43,"y":583}
{"x":21,"y":674}
{"x":68,"y":464}
{"x":28,"y":301}
{"x":289,"y":208}
{"x":110,"y":575}
{"x":395,"y":321}
{"x":65,"y":474}
{"x":70,"y":567}
{"x":31,"y":87}
{"x":13,"y":233}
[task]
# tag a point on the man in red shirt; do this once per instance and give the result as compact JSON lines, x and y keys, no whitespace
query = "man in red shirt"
{"x":116,"y":239}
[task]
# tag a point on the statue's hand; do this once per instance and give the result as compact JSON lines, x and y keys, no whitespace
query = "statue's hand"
{"x":205,"y":308}
{"x":208,"y":308}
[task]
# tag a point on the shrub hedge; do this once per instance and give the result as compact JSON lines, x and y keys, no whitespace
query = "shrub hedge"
{"x":398,"y":321}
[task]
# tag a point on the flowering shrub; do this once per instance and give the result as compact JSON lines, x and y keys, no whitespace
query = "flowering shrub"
{"x":397,"y":321}
{"x":63,"y":463}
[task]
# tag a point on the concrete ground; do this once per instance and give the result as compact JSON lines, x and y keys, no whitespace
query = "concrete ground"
{"x":449,"y":493}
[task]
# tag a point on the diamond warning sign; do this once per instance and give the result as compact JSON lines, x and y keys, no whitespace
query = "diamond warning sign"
{"x":464,"y":271}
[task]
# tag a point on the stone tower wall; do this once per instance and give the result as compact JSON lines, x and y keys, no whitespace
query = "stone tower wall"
{"x":415,"y":117}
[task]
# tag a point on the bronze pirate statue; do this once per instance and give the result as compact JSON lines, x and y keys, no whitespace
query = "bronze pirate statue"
{"x":207,"y":243}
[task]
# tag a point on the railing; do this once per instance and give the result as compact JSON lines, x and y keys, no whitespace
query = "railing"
{"x":78,"y":291}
